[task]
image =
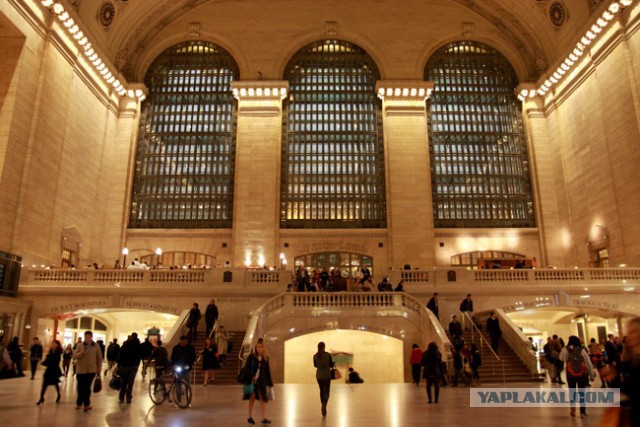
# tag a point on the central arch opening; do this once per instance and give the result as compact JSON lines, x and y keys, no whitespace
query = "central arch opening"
{"x":377,"y":357}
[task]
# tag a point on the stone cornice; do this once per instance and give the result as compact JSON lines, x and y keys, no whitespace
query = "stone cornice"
{"x":260,"y":90}
{"x":456,"y":233}
{"x":177,"y":233}
{"x":401,"y":90}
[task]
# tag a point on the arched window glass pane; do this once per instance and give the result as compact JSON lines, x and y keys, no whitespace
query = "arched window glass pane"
{"x":332,"y":147}
{"x":479,"y":164}
{"x":187,"y":140}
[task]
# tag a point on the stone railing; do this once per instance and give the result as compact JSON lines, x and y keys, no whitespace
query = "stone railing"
{"x":430,"y":328}
{"x":518,"y":342}
{"x":565,"y":278}
{"x":276,"y":280}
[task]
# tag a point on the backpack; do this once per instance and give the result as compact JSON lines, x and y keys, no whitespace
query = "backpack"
{"x":576,"y":367}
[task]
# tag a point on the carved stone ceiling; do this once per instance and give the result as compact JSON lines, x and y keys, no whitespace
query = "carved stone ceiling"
{"x":524,"y":24}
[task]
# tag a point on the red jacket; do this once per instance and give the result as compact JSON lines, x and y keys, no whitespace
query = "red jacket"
{"x":416,"y":357}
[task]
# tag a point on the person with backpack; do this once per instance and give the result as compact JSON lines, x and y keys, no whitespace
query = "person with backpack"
{"x":113,"y":352}
{"x":579,"y":371}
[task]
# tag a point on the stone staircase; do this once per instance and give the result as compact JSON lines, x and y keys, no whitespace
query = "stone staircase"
{"x":491,"y":370}
{"x":229,"y":371}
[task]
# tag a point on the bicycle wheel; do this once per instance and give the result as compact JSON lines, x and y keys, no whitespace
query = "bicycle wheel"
{"x":157,"y":391}
{"x":181,"y":394}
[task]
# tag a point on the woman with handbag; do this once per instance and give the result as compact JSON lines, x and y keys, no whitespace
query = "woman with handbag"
{"x":53,"y":372}
{"x":323,"y":362}
{"x":257,"y":366}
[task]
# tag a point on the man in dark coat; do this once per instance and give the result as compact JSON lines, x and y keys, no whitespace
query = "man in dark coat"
{"x":113,"y":352}
{"x":128,"y":362}
{"x":455,"y":330}
{"x":433,"y":305}
{"x":466,"y":306}
{"x":192,"y":322}
{"x":183,"y":355}
{"x":146,"y":348}
{"x":211,"y":315}
{"x":493,"y":327}
{"x":35,"y":356}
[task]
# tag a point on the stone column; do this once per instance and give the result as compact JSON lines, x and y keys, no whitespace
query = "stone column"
{"x":119,"y":167}
{"x":409,"y":200}
{"x":257,"y":184}
{"x":547,"y":179}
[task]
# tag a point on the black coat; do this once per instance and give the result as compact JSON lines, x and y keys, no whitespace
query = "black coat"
{"x":455,"y":329}
{"x":209,"y":358}
{"x":183,"y":355}
{"x":53,"y":372}
{"x":130,"y":353}
{"x":432,"y":364}
{"x":433,"y":306}
{"x":211,"y":314}
{"x":493,"y":327}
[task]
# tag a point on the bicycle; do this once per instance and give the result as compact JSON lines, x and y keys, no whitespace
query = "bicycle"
{"x":181,"y":389}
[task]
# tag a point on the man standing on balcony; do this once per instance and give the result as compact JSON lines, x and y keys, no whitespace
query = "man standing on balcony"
{"x":466,"y":306}
{"x":433,"y":305}
{"x":493,"y":327}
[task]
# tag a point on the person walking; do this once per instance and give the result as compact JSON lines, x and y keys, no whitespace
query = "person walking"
{"x":433,"y":305}
{"x":88,"y":359}
{"x":15,"y":352}
{"x":128,"y":363}
{"x":455,"y":330}
{"x":52,"y":373}
{"x":579,"y":371}
{"x":466,"y":306}
{"x":192,"y":322}
{"x":210,"y":316}
{"x":146,"y":349}
{"x":415,"y":360}
{"x":475,"y":362}
{"x":258,"y":365}
{"x":67,"y":355}
{"x":323,"y":362}
{"x":222,"y":341}
{"x":35,"y":356}
{"x":493,"y":327}
{"x":431,"y":362}
{"x":210,"y":361}
{"x":113,"y":352}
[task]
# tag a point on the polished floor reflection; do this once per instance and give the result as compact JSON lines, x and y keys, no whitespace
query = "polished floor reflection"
{"x":296,"y":405}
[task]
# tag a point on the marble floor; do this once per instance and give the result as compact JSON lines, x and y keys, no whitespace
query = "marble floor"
{"x":296,"y":405}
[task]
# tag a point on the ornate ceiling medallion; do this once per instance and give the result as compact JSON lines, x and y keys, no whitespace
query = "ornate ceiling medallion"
{"x":107,"y":13}
{"x":557,"y":13}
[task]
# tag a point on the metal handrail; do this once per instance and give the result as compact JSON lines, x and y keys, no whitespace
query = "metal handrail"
{"x":483,"y":340}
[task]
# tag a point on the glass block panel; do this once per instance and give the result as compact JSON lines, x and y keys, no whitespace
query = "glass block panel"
{"x":479,"y":162}
{"x":332,"y":145}
{"x":186,"y":148}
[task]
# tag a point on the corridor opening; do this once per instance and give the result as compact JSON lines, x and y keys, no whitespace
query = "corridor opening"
{"x":378,"y":358}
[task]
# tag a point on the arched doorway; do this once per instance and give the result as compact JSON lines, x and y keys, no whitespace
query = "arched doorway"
{"x":377,"y":357}
{"x":347,"y":263}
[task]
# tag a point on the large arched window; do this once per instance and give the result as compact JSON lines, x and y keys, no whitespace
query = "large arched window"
{"x":186,"y":143}
{"x":479,"y":164}
{"x":332,"y":148}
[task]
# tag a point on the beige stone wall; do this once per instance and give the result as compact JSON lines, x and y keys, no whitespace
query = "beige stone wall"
{"x":58,"y":129}
{"x":594,"y":129}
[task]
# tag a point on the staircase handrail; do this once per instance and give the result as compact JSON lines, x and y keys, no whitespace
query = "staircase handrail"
{"x":483,"y":341}
{"x":518,"y":342}
{"x":177,"y":330}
